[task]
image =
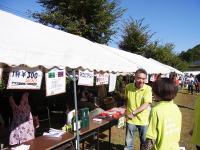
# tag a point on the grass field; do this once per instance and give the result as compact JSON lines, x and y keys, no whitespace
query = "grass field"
{"x":186,"y":105}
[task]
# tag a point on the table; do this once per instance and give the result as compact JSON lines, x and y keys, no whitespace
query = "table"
{"x":95,"y":127}
{"x":47,"y":143}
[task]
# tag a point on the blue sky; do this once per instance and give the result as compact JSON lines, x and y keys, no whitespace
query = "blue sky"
{"x":173,"y":21}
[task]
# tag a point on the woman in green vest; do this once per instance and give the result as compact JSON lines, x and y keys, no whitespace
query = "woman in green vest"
{"x":164,"y":128}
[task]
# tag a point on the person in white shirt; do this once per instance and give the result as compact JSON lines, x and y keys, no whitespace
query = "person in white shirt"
{"x":190,"y":82}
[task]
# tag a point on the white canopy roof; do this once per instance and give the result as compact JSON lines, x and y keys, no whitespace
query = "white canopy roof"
{"x":25,"y":42}
{"x":150,"y":66}
{"x":167,"y":66}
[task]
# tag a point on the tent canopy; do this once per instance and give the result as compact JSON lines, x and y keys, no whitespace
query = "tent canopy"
{"x":167,"y":66}
{"x":150,"y":66}
{"x":25,"y":42}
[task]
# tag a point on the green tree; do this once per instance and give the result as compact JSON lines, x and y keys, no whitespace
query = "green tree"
{"x":179,"y":64}
{"x":165,"y":54}
{"x":136,"y":37}
{"x":191,"y":55}
{"x":91,"y":19}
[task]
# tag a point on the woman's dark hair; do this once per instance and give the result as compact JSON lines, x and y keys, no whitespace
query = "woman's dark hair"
{"x":165,"y":89}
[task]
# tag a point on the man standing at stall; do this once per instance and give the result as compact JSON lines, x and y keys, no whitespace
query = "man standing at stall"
{"x":138,"y":97}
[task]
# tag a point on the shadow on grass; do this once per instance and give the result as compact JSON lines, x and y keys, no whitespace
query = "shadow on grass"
{"x":104,"y":145}
{"x":183,"y":92}
{"x":181,"y":106}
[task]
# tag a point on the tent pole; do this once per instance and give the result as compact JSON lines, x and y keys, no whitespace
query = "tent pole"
{"x":76,"y":112}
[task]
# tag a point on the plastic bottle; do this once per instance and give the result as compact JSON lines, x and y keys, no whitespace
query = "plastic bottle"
{"x":73,"y":122}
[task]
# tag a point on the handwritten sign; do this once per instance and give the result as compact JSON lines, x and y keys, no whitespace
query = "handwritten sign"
{"x":55,"y":81}
{"x":86,"y":78}
{"x":102,"y":78}
{"x":24,"y":78}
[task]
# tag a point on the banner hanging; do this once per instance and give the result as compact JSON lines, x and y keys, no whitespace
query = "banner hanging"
{"x":112,"y":82}
{"x":102,"y":78}
{"x":55,"y":81}
{"x":86,"y":78}
{"x":24,"y":78}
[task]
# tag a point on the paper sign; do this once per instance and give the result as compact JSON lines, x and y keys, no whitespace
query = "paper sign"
{"x":112,"y":82}
{"x":24,"y":78}
{"x":102,"y":78}
{"x":55,"y":81}
{"x":86,"y":78}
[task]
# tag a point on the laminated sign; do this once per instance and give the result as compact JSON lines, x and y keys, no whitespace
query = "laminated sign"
{"x":24,"y":78}
{"x":86,"y":78}
{"x":112,"y":82}
{"x":102,"y":78}
{"x":55,"y":81}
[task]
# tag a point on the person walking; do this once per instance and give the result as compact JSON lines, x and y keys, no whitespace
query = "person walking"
{"x":164,"y":128}
{"x":190,"y":81}
{"x":138,"y":98}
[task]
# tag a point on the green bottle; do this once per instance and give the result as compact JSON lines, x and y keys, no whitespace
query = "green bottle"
{"x":73,"y":122}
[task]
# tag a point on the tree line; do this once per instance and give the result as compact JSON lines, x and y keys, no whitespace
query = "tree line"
{"x":97,"y":21}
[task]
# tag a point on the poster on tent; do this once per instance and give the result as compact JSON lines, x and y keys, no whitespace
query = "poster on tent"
{"x":55,"y":81}
{"x":86,"y":78}
{"x":102,"y":78}
{"x":112,"y":82}
{"x":24,"y":78}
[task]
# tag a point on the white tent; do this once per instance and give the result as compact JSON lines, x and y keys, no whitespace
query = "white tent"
{"x":167,"y":66}
{"x":150,"y":66}
{"x":25,"y":42}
